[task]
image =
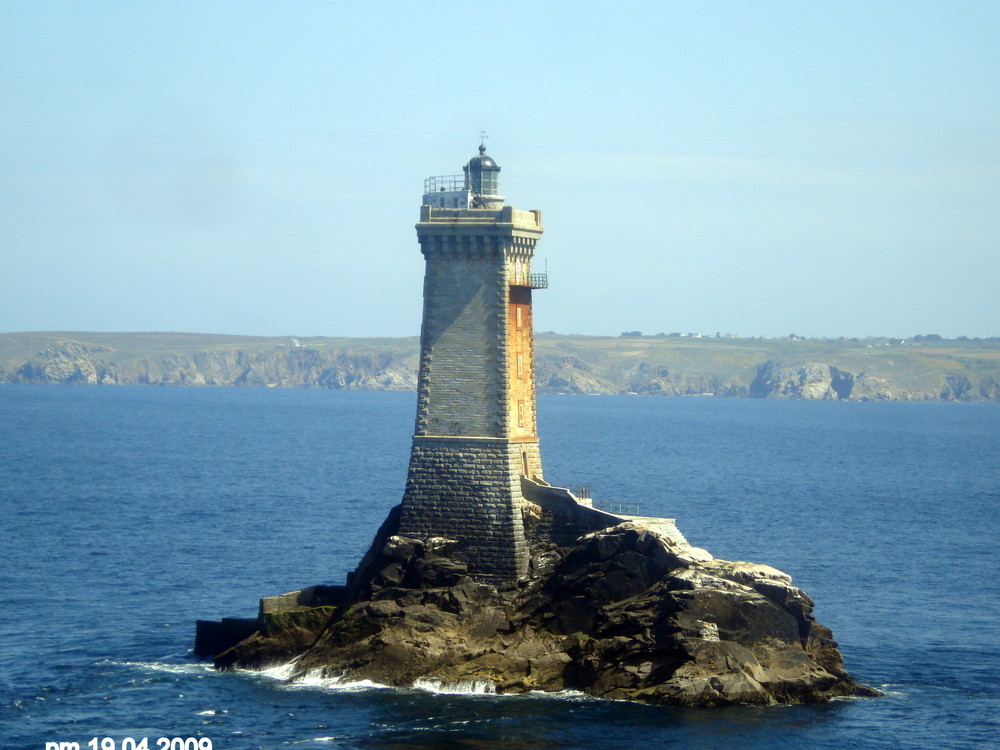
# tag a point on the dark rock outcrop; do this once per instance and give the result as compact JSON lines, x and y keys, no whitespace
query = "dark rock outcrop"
{"x":285,"y":626}
{"x":623,"y":613}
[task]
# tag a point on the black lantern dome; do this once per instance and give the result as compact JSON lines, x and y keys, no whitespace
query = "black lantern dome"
{"x":482,"y":174}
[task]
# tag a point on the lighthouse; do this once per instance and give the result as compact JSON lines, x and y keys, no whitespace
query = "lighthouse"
{"x":475,"y":437}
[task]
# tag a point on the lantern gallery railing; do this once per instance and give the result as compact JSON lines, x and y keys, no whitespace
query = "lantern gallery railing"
{"x":445,"y":184}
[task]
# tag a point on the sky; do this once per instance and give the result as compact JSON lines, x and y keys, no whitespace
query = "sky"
{"x":756,"y":168}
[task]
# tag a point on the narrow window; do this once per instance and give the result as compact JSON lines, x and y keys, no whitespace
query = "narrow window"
{"x":524,"y":462}
{"x":520,"y":414}
{"x":520,"y":366}
{"x":517,"y":316}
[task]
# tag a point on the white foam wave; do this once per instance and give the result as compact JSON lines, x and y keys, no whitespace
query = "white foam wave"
{"x":282,"y":672}
{"x":157,"y":666}
{"x":458,"y":687}
{"x":315,"y":679}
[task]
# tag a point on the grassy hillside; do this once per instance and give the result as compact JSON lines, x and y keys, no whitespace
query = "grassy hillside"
{"x":915,"y":366}
{"x":928,"y":368}
{"x":20,"y":347}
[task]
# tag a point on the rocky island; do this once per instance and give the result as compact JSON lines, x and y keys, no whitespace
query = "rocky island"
{"x":487,"y":575}
{"x":622,"y":613}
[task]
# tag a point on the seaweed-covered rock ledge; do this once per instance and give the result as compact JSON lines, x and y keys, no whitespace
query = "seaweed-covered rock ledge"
{"x":623,"y":613}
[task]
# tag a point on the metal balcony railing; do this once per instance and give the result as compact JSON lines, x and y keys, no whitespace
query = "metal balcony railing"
{"x":534,"y":281}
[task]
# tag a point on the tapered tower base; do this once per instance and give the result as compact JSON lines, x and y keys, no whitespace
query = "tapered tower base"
{"x":469,"y":489}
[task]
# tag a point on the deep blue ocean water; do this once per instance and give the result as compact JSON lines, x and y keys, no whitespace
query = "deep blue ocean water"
{"x":129,"y":512}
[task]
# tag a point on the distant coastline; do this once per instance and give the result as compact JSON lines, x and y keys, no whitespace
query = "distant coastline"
{"x":925,"y":368}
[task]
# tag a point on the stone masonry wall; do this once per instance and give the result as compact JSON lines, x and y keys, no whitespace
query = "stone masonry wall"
{"x":469,"y":490}
{"x":464,"y":318}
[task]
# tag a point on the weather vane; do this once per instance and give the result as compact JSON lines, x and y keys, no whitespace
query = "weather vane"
{"x":482,"y":138}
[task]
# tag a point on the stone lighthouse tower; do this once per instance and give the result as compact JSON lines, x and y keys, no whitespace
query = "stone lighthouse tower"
{"x":475,"y":435}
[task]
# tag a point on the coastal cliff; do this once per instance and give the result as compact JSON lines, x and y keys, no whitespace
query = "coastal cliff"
{"x":623,"y":613}
{"x":808,"y":369}
{"x":193,"y":360}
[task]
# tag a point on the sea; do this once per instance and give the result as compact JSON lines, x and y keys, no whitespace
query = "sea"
{"x":128,"y":513}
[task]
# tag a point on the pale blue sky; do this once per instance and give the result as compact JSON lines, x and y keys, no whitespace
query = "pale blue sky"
{"x":759,"y":168}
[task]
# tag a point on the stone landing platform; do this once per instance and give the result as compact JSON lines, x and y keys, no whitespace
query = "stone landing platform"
{"x":556,"y":513}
